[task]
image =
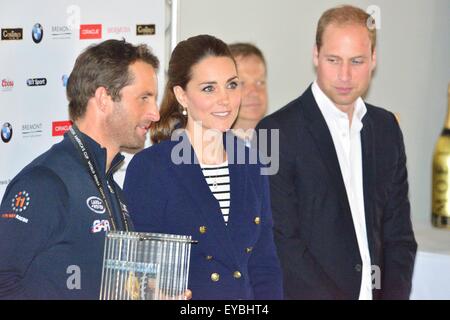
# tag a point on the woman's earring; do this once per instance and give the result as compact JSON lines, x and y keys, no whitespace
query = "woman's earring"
{"x":184,"y":112}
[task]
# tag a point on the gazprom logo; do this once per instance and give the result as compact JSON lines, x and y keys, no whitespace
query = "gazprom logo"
{"x":96,"y":205}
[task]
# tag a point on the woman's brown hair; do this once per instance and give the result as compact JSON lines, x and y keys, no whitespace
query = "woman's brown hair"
{"x":186,"y":54}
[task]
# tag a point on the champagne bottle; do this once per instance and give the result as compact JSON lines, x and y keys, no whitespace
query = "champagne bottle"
{"x":441,"y":176}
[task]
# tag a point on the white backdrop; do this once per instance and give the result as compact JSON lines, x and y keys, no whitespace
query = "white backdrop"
{"x":32,"y":74}
{"x":411,"y":77}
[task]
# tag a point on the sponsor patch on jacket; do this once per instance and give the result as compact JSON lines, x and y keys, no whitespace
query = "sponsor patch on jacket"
{"x":12,"y":215}
{"x":96,"y":204}
{"x":100,"y":225}
{"x":20,"y":202}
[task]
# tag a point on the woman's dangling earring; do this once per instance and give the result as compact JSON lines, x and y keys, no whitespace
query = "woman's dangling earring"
{"x":184,"y":112}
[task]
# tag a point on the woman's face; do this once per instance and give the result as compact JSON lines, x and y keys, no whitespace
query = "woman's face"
{"x":212,"y":96}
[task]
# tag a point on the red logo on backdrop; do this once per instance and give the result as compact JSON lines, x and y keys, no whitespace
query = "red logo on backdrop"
{"x":90,"y":31}
{"x":7,"y":83}
{"x":60,"y":127}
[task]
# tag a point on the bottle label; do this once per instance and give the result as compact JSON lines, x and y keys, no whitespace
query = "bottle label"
{"x":441,"y":192}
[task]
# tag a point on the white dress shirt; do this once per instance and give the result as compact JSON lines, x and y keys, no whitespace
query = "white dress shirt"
{"x":347,"y":142}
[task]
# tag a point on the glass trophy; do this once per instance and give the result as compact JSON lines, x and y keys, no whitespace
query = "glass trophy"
{"x":145,"y":266}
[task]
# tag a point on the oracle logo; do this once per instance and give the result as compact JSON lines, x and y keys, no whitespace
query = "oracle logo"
{"x":90,"y":31}
{"x":60,"y":127}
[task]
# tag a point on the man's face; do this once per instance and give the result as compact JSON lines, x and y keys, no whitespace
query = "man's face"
{"x":344,"y":63}
{"x":252,"y":74}
{"x":131,"y":117}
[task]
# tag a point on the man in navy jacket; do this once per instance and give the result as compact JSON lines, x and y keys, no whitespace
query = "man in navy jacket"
{"x":55,"y":212}
{"x":340,"y":203}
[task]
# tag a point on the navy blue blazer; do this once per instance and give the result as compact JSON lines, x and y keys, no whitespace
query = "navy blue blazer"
{"x":234,"y":261}
{"x":313,"y":225}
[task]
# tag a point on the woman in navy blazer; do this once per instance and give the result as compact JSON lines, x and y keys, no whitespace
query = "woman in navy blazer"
{"x":168,"y":191}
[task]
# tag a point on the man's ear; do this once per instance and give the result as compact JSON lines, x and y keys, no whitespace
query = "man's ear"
{"x":103,"y":99}
{"x":180,"y":94}
{"x":315,"y":55}
{"x":374,"y":58}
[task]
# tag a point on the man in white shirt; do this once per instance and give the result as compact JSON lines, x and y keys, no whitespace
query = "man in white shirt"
{"x":340,"y":198}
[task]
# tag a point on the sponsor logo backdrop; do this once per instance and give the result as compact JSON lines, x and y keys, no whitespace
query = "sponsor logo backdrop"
{"x":38,"y":48}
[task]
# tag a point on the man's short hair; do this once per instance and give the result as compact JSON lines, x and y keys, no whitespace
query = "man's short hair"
{"x":346,"y":15}
{"x":244,"y":49}
{"x":104,"y":65}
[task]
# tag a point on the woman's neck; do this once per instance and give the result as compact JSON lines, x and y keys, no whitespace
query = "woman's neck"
{"x":207,"y":145}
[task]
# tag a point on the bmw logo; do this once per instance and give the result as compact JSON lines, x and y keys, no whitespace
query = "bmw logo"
{"x":37,"y":33}
{"x":7,"y":132}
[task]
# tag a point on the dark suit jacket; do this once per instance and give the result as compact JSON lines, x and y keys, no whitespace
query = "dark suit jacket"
{"x":169,"y":198}
{"x":313,"y":225}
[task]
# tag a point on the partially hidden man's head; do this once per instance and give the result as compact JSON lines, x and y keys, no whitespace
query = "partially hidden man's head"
{"x":252,"y":71}
{"x":345,"y":54}
{"x":107,"y":65}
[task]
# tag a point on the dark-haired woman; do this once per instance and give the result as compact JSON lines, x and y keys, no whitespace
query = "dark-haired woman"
{"x":193,"y":180}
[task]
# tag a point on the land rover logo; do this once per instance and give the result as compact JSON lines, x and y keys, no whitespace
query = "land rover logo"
{"x":96,"y":205}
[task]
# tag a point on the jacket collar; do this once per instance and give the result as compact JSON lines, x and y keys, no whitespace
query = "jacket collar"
{"x":98,"y":153}
{"x":191,"y":177}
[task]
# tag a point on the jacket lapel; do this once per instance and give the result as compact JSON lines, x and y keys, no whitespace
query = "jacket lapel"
{"x":322,"y":136}
{"x":238,"y":189}
{"x":191,"y":178}
{"x":368,"y":159}
{"x":324,"y":142}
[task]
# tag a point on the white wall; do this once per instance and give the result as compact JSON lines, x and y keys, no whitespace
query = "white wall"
{"x":413,"y":62}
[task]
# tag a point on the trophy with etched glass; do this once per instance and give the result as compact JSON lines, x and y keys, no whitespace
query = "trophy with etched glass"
{"x":145,"y":266}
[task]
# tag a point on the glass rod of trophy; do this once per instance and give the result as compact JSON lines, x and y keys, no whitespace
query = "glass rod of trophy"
{"x":145,"y":266}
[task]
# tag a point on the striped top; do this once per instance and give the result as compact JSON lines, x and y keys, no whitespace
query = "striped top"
{"x":218,"y":179}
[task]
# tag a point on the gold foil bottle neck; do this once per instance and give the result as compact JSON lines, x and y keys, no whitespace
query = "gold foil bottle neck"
{"x":447,"y":121}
